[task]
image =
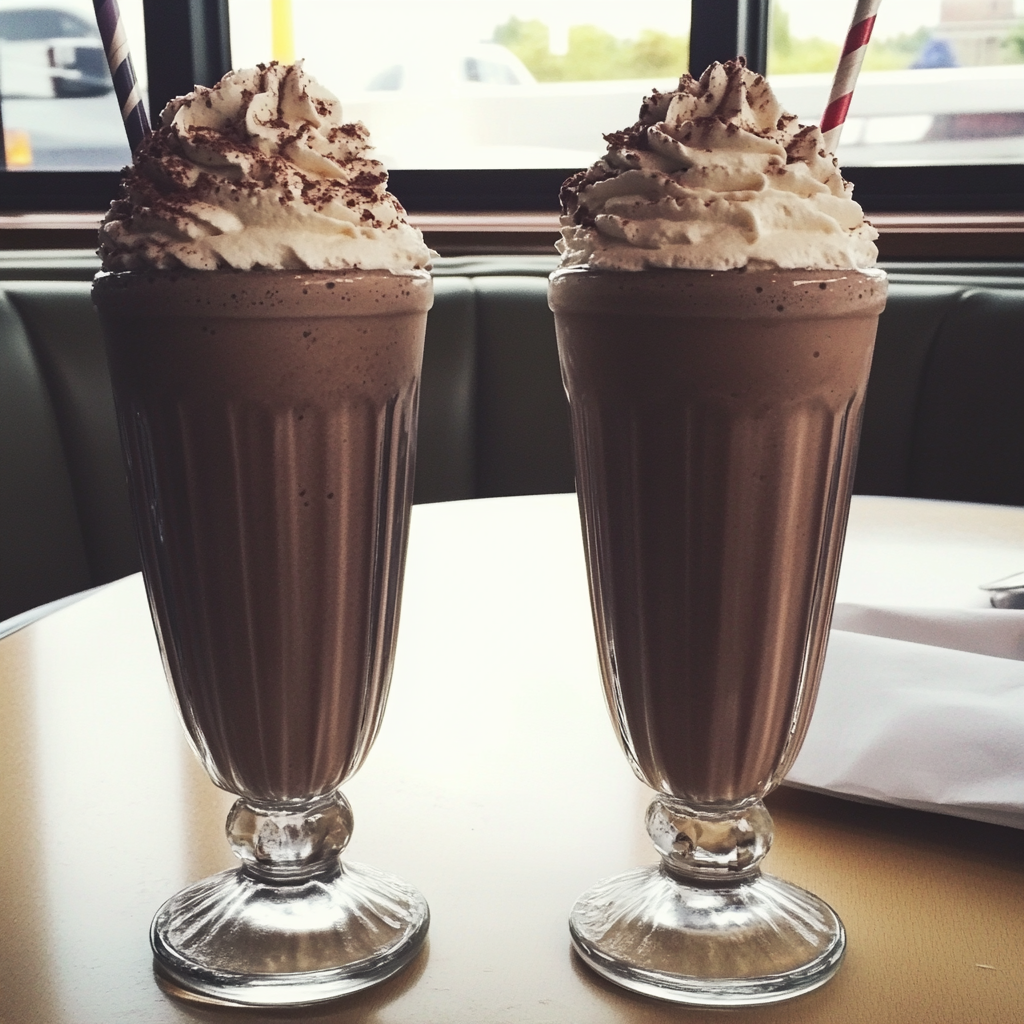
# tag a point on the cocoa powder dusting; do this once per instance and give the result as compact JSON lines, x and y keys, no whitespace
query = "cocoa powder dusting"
{"x":249,"y":167}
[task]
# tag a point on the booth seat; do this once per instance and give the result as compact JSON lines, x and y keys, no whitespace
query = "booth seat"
{"x":944,"y":416}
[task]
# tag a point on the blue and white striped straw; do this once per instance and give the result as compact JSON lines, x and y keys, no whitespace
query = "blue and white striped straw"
{"x":122,"y":71}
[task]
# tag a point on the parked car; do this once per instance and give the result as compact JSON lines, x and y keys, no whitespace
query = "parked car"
{"x":52,"y":51}
{"x":482,"y":64}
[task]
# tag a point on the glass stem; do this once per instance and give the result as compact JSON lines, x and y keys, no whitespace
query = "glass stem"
{"x":712,"y":846}
{"x":291,"y":842}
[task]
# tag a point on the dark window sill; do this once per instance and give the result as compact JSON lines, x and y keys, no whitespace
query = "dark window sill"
{"x":903,"y":236}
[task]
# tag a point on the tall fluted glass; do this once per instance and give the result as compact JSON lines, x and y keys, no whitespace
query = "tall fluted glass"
{"x":716,"y":419}
{"x":268,"y":421}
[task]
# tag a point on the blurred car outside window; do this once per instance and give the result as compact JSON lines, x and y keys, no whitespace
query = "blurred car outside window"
{"x":58,"y":106}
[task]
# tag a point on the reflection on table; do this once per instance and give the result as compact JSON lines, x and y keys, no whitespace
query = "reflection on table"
{"x":496,"y":786}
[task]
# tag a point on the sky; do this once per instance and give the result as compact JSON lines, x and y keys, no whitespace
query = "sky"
{"x":829,"y":19}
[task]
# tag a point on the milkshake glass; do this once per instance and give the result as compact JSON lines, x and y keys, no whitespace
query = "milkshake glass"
{"x":268,"y":421}
{"x":264,"y":308}
{"x":716,"y":387}
{"x":715,"y":421}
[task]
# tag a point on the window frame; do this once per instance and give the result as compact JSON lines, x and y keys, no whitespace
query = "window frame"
{"x":194,"y":46}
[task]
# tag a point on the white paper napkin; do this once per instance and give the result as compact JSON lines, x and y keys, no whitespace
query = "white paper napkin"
{"x":922,"y":696}
{"x":997,"y":632}
{"x":918,"y":726}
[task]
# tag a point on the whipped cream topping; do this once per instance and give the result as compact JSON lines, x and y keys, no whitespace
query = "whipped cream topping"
{"x":713,"y":176}
{"x":259,"y":172}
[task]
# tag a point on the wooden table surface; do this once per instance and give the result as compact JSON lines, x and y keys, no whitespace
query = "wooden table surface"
{"x":496,"y":786}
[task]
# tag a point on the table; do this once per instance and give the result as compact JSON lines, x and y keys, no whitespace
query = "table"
{"x":496,"y":786}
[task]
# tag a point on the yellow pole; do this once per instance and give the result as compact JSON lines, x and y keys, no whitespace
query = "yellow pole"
{"x":282,"y":34}
{"x":18,"y":146}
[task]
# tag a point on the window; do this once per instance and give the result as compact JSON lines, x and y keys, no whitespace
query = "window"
{"x":58,"y":106}
{"x":488,"y":104}
{"x":473,"y":84}
{"x":942,"y":83}
{"x":42,"y":23}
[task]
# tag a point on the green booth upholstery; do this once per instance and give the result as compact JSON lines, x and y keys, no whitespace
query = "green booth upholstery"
{"x":943,"y":418}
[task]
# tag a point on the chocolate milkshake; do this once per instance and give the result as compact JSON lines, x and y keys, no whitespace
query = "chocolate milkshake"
{"x":715,"y":452}
{"x":265,"y":313}
{"x":270,"y":419}
{"x":716,"y":314}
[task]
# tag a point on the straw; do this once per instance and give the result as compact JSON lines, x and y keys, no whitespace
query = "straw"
{"x":122,"y":71}
{"x":845,"y":80}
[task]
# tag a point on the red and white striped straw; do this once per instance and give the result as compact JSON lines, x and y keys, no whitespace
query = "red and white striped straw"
{"x":122,"y":71}
{"x":843,"y":84}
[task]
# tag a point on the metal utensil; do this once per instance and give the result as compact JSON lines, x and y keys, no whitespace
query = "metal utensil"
{"x":1007,"y":592}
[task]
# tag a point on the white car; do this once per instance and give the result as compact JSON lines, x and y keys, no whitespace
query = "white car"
{"x":51,"y":51}
{"x":482,"y":64}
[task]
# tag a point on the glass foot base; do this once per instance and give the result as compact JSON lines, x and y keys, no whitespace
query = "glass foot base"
{"x":760,"y":940}
{"x":238,"y":939}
